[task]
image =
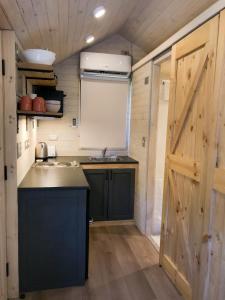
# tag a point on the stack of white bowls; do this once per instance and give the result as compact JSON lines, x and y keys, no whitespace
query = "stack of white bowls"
{"x":53,"y":105}
{"x":39,"y":56}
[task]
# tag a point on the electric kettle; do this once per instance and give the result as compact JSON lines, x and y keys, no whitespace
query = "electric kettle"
{"x":41,"y":151}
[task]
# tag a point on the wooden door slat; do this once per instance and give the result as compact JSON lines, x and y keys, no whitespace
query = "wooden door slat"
{"x":186,"y":167}
{"x":190,"y":98}
{"x":180,"y":221}
{"x":174,"y":274}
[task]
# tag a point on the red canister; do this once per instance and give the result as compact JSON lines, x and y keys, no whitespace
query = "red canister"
{"x":25,"y":103}
{"x":39,"y":104}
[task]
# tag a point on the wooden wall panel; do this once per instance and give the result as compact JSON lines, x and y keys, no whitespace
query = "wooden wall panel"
{"x":4,"y":22}
{"x":140,"y":116}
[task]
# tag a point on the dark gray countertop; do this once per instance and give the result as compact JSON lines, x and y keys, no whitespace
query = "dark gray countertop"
{"x":53,"y":177}
{"x":68,"y":177}
{"x":86,"y":160}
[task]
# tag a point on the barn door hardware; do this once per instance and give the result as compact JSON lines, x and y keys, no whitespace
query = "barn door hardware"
{"x":3,"y":67}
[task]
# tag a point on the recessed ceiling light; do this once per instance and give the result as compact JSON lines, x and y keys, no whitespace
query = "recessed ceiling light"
{"x":90,"y":39}
{"x":99,"y":12}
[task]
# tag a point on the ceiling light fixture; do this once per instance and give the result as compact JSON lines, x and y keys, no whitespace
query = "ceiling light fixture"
{"x":99,"y":12}
{"x":90,"y":39}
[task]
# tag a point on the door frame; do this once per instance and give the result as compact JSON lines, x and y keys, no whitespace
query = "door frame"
{"x":10,"y":157}
{"x":154,"y":101}
{"x":3,"y":278}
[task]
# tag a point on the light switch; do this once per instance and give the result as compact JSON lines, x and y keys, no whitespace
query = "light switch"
{"x":146,"y":80}
{"x":74,"y":122}
{"x":52,"y":137}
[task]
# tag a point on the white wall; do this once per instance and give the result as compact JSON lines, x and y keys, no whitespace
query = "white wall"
{"x":25,"y":161}
{"x":67,"y":142}
{"x":160,"y":149}
{"x":160,"y":165}
{"x":140,"y":117}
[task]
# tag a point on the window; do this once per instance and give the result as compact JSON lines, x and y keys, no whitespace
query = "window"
{"x":104,"y":114}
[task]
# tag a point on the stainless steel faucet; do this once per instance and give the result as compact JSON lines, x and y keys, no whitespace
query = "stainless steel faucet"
{"x":104,"y":152}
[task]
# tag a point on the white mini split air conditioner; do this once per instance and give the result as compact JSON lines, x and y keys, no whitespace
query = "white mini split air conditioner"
{"x":105,"y":66}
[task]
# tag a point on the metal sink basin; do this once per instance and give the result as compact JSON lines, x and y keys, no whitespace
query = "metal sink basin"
{"x":104,"y":159}
{"x":46,"y":164}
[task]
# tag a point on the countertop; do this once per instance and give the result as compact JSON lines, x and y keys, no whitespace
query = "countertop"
{"x":54,"y":177}
{"x":64,"y":177}
{"x":86,"y":160}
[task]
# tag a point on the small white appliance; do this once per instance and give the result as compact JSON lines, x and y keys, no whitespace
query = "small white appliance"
{"x":105,"y":66}
{"x":51,"y":151}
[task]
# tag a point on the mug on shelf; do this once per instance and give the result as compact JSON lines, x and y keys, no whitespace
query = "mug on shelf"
{"x":25,"y":103}
{"x":39,"y":104}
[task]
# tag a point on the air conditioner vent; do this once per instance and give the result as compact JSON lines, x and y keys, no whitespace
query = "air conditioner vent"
{"x":102,"y":65}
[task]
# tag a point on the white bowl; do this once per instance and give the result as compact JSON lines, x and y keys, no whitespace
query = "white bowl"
{"x":39,"y":56}
{"x":53,"y":101}
{"x":52,"y":107}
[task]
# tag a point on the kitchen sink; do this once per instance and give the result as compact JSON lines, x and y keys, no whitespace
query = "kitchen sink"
{"x":104,"y":159}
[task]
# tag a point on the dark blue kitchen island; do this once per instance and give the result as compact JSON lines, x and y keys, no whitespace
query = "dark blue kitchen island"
{"x":53,"y":228}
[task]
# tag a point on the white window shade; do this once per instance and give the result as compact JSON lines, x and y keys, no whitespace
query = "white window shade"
{"x":104,"y":107}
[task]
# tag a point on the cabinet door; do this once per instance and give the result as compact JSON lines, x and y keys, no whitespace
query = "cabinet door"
{"x":121,"y":194}
{"x":52,"y":238}
{"x":98,"y":181}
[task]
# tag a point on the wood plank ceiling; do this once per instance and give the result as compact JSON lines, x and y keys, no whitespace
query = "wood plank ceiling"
{"x":154,"y":21}
{"x":63,"y":25}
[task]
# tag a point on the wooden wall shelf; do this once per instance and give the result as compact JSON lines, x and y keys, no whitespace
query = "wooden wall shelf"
{"x":25,"y":66}
{"x":39,"y":114}
{"x":37,"y":74}
{"x":43,"y":82}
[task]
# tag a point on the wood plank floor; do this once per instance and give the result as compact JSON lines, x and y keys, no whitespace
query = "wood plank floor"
{"x":123,"y":265}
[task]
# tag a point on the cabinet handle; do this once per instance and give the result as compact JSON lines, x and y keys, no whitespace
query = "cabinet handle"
{"x":110,"y":175}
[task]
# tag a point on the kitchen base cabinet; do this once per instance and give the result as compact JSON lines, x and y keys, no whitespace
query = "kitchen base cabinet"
{"x":121,"y":194}
{"x":111,"y":193}
{"x":98,"y":181}
{"x":53,"y":232}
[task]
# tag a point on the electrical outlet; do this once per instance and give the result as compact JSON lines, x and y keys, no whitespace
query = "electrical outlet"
{"x":27,"y":144}
{"x":74,"y":122}
{"x":19,"y":149}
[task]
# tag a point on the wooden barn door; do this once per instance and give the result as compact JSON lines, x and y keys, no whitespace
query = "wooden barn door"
{"x":214,"y":287}
{"x":188,"y":142}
